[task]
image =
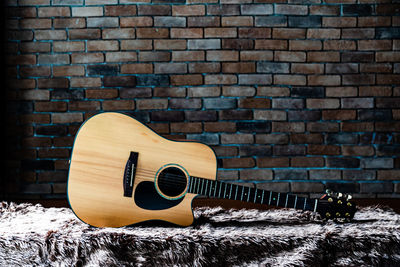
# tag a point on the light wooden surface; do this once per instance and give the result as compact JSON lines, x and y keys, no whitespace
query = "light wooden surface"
{"x":101,"y":150}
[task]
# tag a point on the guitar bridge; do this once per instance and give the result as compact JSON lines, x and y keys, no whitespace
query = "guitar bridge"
{"x":129,"y":174}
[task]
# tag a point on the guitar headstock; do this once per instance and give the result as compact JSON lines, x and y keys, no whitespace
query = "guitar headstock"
{"x":336,"y":206}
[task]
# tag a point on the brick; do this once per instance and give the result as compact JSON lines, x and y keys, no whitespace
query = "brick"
{"x":305,"y":45}
{"x":236,"y":139}
{"x":50,"y":35}
{"x":330,"y":10}
{"x":377,"y":163}
{"x":323,"y":33}
{"x":256,"y":174}
{"x":304,"y":22}
{"x":186,"y":127}
{"x":270,"y":115}
{"x":331,"y":103}
{"x":387,"y":33}
{"x":36,"y":71}
{"x":223,"y":9}
{"x":288,"y":127}
{"x":68,"y":70}
{"x":33,"y":47}
{"x":66,"y":117}
{"x":291,"y":9}
{"x":237,"y":44}
{"x":374,"y":45}
{"x":193,"y":79}
{"x":87,"y":11}
{"x":256,"y":55}
{"x":119,"y":81}
{"x":376,"y":67}
{"x":84,"y":34}
{"x":254,"y":103}
{"x":357,"y":103}
{"x":270,"y":21}
{"x":121,"y":56}
{"x":289,"y":56}
{"x":238,"y":162}
{"x":225,"y":55}
{"x":339,"y":115}
{"x":220,"y":127}
{"x":87,"y":58}
{"x":53,"y":12}
{"x":357,"y":33}
{"x":342,"y":68}
{"x":152,"y":103}
{"x":255,"y":79}
{"x":85,"y":82}
{"x":53,"y":83}
{"x":339,"y":45}
{"x":252,"y":127}
{"x":35,"y":23}
{"x":357,"y":126}
{"x":358,"y":79}
{"x":387,"y":56}
{"x":136,"y":45}
{"x":327,"y":80}
{"x":271,"y":67}
{"x":204,"y":67}
{"x":34,"y":95}
{"x":357,"y":57}
{"x":237,"y":21}
{"x":322,"y":127}
{"x":376,"y":21}
{"x":306,"y":115}
{"x":190,"y":10}
{"x":142,"y":21}
{"x":307,"y":68}
{"x":220,"y":32}
{"x":323,"y":56}
{"x":375,"y":115}
{"x":307,"y":162}
{"x":136,"y":68}
{"x":357,"y":10}
{"x":118,"y":105}
{"x":153,"y":80}
{"x":161,"y":21}
{"x":102,"y":93}
{"x":157,"y":10}
{"x":376,"y":187}
{"x":272,"y":139}
{"x":358,"y":175}
{"x":323,"y":150}
{"x":220,"y":79}
{"x":388,"y":174}
{"x":123,"y":10}
{"x":153,"y":33}
{"x":154,"y":56}
{"x":290,"y":80}
{"x":290,"y":174}
{"x":170,"y":67}
{"x":188,"y":55}
{"x":256,"y":9}
{"x":125,"y":33}
{"x":204,"y":44}
{"x":288,"y":33}
{"x":339,"y":22}
{"x":201,"y":115}
{"x":84,"y":105}
{"x":258,"y":32}
{"x":344,"y":91}
{"x":241,"y":67}
{"x":219,"y":103}
{"x":325,"y":174}
{"x":206,"y":21}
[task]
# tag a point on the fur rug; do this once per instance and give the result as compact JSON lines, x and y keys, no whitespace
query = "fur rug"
{"x":35,"y":236}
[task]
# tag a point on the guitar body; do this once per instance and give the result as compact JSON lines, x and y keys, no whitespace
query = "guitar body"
{"x":99,"y":170}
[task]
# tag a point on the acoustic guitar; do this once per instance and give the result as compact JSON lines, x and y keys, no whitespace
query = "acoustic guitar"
{"x":122,"y":173}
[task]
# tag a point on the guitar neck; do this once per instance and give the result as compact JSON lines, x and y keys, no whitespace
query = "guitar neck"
{"x":223,"y":190}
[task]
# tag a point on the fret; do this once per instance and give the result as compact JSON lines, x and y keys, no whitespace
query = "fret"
{"x":220,"y":187}
{"x":295,"y":202}
{"x":277,"y":202}
{"x":205,"y":191}
{"x":230,"y":192}
{"x":225,"y":190}
{"x":315,"y":205}
{"x":305,"y":201}
{"x":215,"y":189}
{"x":255,"y":196}
{"x":198,"y":187}
{"x":241,"y":198}
{"x":237,"y":187}
{"x":248,"y":195}
{"x":191,"y":184}
{"x":262,"y":197}
{"x":270,"y":195}
{"x":287,"y":195}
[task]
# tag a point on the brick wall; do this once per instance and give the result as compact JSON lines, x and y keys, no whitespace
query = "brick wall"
{"x":294,"y":96}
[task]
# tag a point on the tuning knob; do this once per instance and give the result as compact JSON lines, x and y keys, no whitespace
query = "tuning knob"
{"x":328,"y":192}
{"x":349,"y":197}
{"x":339,"y":195}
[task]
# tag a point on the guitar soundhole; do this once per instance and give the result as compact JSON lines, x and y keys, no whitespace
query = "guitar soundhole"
{"x":172,"y":182}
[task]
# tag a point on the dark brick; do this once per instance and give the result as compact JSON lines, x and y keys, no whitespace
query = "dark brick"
{"x":250,"y":127}
{"x":104,"y":70}
{"x":152,"y":80}
{"x":289,"y":150}
{"x":290,"y":174}
{"x":75,"y":94}
{"x":54,"y":130}
{"x":271,"y":21}
{"x":359,"y":175}
{"x":167,"y":115}
{"x":388,"y":150}
{"x":119,"y":81}
{"x":304,"y":115}
{"x":341,"y":139}
{"x":170,"y":1}
{"x":305,"y":21}
{"x":387,"y":33}
{"x":358,"y":57}
{"x":242,"y":114}
{"x":33,"y":165}
{"x":255,"y":151}
{"x":201,"y":115}
{"x":291,"y":103}
{"x":237,"y":44}
{"x":272,"y":67}
{"x":376,"y":138}
{"x":219,"y":103}
{"x":343,"y":162}
{"x":377,"y":187}
{"x":135,"y":92}
{"x":223,"y":9}
{"x":357,"y":10}
{"x":393,"y":102}
{"x":308,"y":92}
{"x":375,"y":114}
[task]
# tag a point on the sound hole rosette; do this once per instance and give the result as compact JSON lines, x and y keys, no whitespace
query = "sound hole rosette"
{"x":172,"y":181}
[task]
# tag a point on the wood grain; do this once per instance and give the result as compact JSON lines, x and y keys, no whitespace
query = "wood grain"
{"x":101,"y":150}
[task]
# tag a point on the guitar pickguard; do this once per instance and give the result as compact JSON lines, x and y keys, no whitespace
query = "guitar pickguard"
{"x":147,"y":197}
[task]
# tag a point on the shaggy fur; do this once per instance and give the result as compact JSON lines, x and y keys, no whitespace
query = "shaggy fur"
{"x":36,"y":236}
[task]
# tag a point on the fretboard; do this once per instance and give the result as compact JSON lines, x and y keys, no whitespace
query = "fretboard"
{"x":217,"y":189}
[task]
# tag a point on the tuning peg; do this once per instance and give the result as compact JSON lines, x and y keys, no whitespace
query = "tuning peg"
{"x":349,"y":197}
{"x":328,"y":192}
{"x":339,"y":195}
